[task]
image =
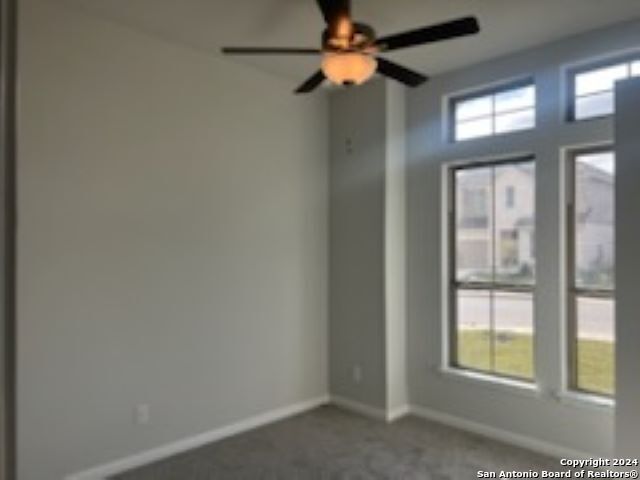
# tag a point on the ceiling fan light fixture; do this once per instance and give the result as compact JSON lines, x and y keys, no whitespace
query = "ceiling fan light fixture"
{"x":348,"y":68}
{"x":350,"y":48}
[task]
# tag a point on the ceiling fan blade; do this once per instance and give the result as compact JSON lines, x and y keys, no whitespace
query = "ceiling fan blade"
{"x":311,"y":83}
{"x":325,"y":9}
{"x":400,"y":73}
{"x":332,"y":9}
{"x":269,"y":51}
{"x":434,"y":33}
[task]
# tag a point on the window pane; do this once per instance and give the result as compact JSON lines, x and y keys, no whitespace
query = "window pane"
{"x":595,"y":106}
{"x":594,"y":221}
{"x":513,"y":334}
{"x":516,"y":99}
{"x":514,"y":226}
{"x":596,"y":345}
{"x":635,"y":69}
{"x":505,"y":111}
{"x":601,"y":79}
{"x":474,"y":129}
{"x":510,"y":197}
{"x":511,"y":122}
{"x":473,"y":224}
{"x":494,"y":243}
{"x":474,"y":329}
{"x":474,"y":108}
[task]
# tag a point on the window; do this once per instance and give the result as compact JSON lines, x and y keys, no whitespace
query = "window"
{"x":493,"y":270}
{"x":592,"y":89}
{"x":496,"y":112}
{"x":591,"y":269}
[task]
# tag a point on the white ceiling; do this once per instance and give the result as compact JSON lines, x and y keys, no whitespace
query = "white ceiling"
{"x":507,"y":25}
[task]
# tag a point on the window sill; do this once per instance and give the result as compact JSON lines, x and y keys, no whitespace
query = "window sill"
{"x":531,"y":390}
{"x":571,"y":120}
{"x":579,"y":399}
{"x":487,"y":380}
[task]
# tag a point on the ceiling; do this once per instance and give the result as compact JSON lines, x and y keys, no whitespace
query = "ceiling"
{"x":507,"y":25}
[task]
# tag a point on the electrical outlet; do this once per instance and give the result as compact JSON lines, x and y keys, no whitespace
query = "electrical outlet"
{"x":356,"y":374}
{"x":348,"y":146}
{"x":142,"y":414}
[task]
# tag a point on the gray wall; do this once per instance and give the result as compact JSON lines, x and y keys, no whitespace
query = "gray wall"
{"x":356,"y":278}
{"x":367,"y":246}
{"x":165,"y":256}
{"x":627,"y":241}
{"x":547,"y":415}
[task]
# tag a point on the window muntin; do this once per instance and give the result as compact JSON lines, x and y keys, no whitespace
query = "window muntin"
{"x":493,"y":273}
{"x":592,"y":266}
{"x":509,"y":109}
{"x":593,"y":89}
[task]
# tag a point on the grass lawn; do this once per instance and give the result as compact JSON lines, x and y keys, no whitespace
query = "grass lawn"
{"x":514,"y":357}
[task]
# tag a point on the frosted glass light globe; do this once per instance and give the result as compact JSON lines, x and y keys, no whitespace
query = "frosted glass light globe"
{"x":348,"y":68}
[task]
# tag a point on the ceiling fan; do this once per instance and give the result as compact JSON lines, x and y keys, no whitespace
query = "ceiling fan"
{"x":350,"y":49}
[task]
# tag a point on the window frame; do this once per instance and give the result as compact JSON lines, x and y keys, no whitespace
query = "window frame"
{"x":573,"y":72}
{"x":572,"y":291}
{"x":453,"y":286}
{"x":494,"y":90}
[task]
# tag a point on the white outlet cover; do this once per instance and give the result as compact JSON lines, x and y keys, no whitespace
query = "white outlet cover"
{"x":142,"y":414}
{"x":357,"y":373}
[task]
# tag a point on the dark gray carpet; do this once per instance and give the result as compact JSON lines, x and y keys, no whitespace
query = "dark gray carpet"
{"x":331,"y":444}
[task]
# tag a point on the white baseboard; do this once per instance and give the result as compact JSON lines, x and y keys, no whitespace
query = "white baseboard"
{"x":499,"y":434}
{"x":389,"y":415}
{"x":358,"y":407}
{"x":156,"y":454}
{"x":494,"y":433}
{"x":397,"y":413}
{"x":150,"y":456}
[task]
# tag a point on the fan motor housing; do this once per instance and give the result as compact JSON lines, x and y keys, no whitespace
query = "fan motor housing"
{"x":363,"y":39}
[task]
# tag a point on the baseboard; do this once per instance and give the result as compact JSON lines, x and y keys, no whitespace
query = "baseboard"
{"x":153,"y":455}
{"x":358,"y":407}
{"x":498,"y":434}
{"x":156,"y":454}
{"x":389,"y":415}
{"x":397,"y":413}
